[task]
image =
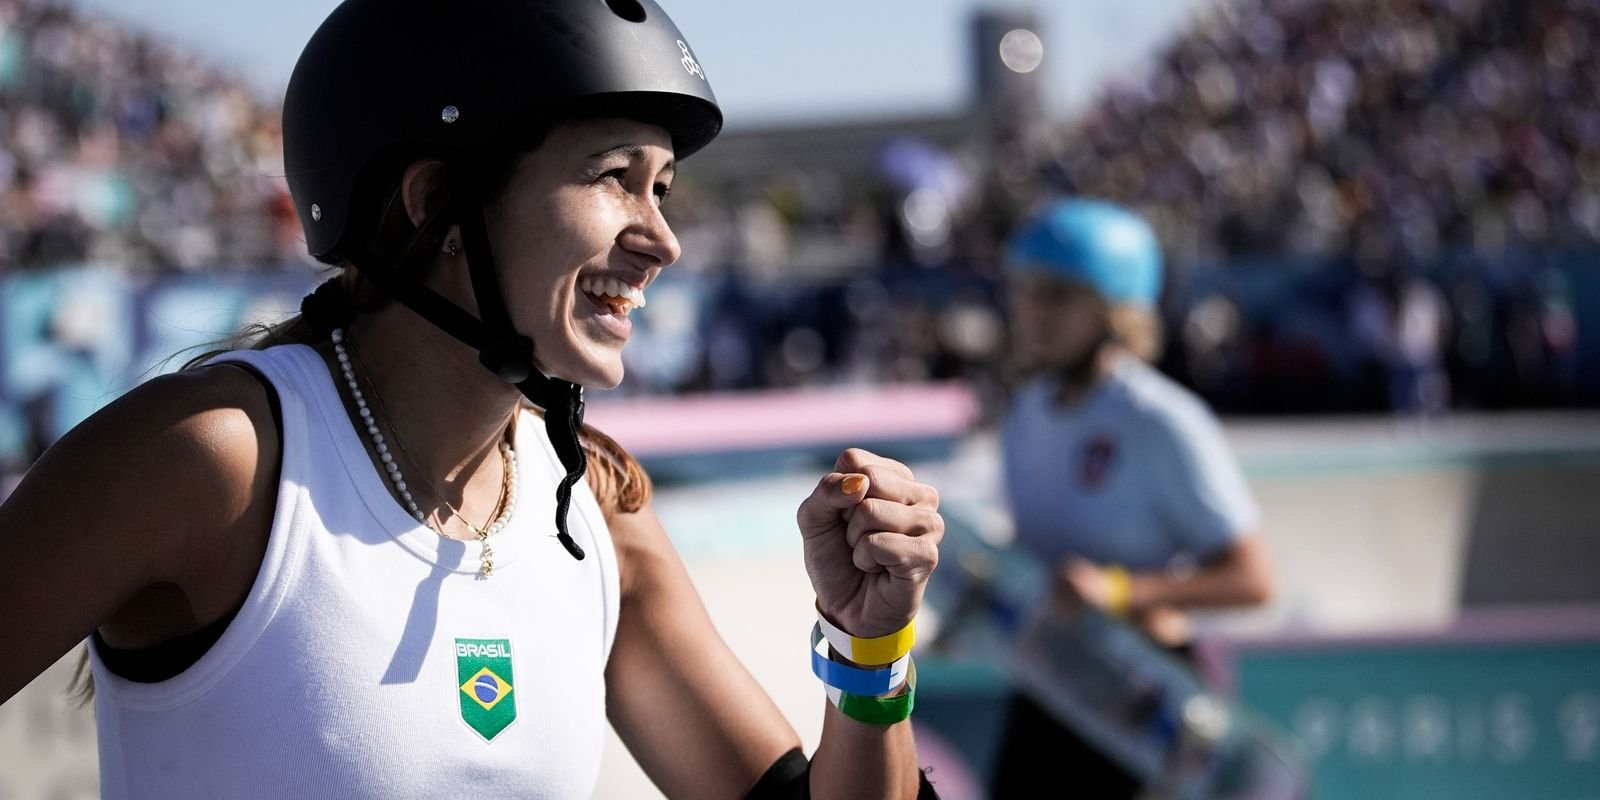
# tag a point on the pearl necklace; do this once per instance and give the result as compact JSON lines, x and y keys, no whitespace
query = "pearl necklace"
{"x":508,"y":457}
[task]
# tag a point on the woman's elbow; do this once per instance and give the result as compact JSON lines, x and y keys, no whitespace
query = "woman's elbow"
{"x":1258,"y":589}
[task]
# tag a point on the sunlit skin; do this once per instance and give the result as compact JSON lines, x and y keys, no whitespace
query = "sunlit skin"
{"x":587,"y":202}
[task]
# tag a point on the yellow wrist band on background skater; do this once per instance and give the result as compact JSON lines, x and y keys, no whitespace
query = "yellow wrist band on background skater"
{"x":1119,"y":591}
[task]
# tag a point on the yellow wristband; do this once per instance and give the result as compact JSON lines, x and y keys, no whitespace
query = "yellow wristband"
{"x":869,"y":652}
{"x":1119,"y":591}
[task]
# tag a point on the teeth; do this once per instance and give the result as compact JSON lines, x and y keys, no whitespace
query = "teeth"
{"x":601,"y":286}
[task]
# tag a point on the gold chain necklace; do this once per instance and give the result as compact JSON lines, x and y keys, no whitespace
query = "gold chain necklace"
{"x":508,"y":492}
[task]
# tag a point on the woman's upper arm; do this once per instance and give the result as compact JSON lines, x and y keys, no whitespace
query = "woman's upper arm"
{"x":118,"y":506}
{"x":691,"y":714}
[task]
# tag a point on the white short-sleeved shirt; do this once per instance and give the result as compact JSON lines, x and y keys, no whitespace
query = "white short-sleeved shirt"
{"x":1137,"y":473}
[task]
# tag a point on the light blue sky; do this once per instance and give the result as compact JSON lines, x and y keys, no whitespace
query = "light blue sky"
{"x":769,"y":60}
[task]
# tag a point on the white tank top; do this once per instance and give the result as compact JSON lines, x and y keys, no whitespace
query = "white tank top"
{"x":369,"y":660}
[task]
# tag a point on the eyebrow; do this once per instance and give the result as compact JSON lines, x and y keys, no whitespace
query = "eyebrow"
{"x":632,"y":151}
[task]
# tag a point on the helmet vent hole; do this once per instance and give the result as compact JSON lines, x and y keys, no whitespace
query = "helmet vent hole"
{"x":629,"y":10}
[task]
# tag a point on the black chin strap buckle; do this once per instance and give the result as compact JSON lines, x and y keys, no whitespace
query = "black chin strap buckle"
{"x":510,"y":358}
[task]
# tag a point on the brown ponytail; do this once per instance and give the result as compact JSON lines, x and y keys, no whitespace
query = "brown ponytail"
{"x":620,"y":484}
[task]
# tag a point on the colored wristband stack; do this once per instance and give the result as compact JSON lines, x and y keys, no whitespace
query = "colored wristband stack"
{"x":861,"y":692}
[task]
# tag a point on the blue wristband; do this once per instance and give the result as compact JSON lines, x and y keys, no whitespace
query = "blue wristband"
{"x":869,"y":682}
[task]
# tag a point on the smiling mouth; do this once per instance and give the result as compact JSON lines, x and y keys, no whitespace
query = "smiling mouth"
{"x":611,"y":295}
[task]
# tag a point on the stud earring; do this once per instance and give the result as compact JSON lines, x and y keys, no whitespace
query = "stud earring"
{"x":452,"y":247}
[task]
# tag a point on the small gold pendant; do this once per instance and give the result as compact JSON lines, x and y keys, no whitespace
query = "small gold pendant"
{"x":486,"y":558}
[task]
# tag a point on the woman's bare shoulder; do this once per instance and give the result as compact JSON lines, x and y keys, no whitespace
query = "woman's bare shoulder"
{"x":216,"y":419}
{"x":190,"y":445}
{"x":174,"y":483}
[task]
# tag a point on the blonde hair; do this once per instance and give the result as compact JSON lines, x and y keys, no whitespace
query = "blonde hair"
{"x":1137,"y":329}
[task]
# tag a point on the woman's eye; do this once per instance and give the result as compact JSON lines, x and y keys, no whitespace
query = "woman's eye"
{"x":620,"y":175}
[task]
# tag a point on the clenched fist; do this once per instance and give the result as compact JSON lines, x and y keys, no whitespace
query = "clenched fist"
{"x":871,"y":540}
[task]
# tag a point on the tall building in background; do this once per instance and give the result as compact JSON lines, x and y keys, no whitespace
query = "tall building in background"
{"x":1007,"y":53}
{"x":1007,"y":109}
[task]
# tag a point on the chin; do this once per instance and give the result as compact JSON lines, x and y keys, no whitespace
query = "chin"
{"x":608,"y":380}
{"x":590,"y":374}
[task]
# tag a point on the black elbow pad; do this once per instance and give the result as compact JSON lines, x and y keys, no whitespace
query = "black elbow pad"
{"x":789,"y":778}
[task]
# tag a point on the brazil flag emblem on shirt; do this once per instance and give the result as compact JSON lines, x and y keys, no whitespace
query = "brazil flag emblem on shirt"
{"x":487,"y":694}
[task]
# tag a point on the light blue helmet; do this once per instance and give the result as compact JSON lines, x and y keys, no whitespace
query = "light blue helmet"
{"x":1107,"y":247}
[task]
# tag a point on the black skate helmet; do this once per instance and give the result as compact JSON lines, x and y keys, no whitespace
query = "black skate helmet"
{"x":383,"y":82}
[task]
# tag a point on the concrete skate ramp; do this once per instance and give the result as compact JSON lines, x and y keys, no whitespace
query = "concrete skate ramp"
{"x":1533,"y":536}
{"x":1383,"y":523}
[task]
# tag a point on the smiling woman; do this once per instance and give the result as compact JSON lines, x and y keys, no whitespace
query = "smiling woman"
{"x":584,"y":238}
{"x":358,"y":556}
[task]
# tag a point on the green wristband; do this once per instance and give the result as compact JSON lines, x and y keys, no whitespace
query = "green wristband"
{"x":878,"y":710}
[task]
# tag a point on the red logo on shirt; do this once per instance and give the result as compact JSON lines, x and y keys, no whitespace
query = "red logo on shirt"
{"x":1098,"y":457}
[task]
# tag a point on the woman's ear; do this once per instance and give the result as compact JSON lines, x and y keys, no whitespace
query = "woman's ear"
{"x":419,"y":188}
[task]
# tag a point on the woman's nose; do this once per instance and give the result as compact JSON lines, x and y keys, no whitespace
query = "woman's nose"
{"x":651,"y":236}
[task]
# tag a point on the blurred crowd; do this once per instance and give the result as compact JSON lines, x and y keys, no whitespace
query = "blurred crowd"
{"x":1390,"y":131}
{"x":118,"y":149}
{"x":1367,"y":205}
{"x":1440,"y":157}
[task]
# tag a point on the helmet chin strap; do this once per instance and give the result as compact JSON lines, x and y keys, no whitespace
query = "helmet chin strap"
{"x":501,"y":349}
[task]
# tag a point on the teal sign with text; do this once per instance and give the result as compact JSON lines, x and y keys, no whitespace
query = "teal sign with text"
{"x":1435,"y":719}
